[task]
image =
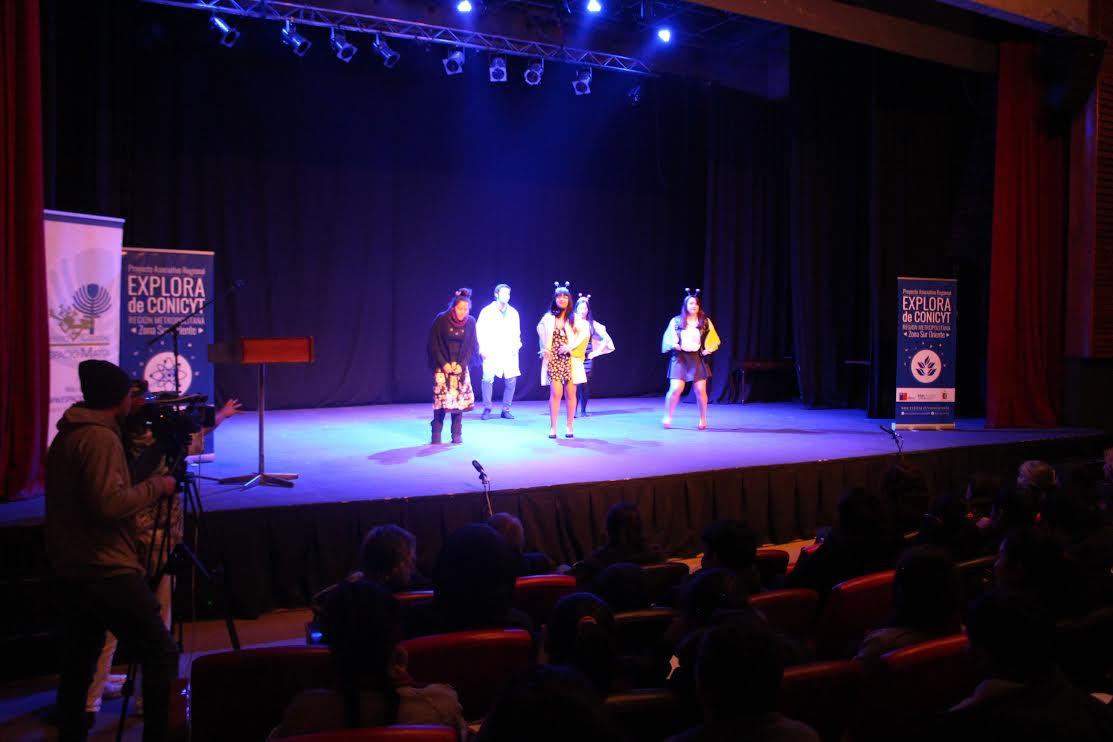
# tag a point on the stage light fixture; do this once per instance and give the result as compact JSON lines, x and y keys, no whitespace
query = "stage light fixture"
{"x":228,"y":35}
{"x":534,"y":70}
{"x":389,"y":56}
{"x":594,"y":6}
{"x":634,"y":96}
{"x":464,"y":6}
{"x":344,"y":49}
{"x":454,"y":62}
{"x":496,"y":70}
{"x":582,"y":83}
{"x":298,"y":44}
{"x":664,"y":34}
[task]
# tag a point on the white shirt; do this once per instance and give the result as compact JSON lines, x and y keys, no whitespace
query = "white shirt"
{"x":499,"y":333}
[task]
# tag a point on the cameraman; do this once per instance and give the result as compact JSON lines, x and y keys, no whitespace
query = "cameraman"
{"x":91,"y":541}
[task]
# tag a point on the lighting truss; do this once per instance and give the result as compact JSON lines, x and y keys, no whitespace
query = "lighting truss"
{"x":308,"y":14}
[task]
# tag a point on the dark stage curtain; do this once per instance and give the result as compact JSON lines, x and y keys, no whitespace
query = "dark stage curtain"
{"x":746,"y":268}
{"x":354,"y":199}
{"x":24,"y":357}
{"x":1025,"y":362}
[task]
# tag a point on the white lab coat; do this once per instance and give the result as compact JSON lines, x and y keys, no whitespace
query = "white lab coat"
{"x":576,"y":335}
{"x":500,"y":337}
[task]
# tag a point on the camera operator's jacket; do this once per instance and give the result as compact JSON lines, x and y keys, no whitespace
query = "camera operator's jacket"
{"x":90,"y":500}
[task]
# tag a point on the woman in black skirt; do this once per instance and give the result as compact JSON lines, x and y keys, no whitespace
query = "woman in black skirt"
{"x":690,"y":338}
{"x":452,"y":342}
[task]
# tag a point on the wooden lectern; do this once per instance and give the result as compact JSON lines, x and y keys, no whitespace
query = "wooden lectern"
{"x":262,"y":351}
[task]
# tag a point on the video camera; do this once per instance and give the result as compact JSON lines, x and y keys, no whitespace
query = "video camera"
{"x":171,"y":419}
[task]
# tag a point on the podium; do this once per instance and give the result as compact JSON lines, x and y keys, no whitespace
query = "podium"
{"x":260,"y":352}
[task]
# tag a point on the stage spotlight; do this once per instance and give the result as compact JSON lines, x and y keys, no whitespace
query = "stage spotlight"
{"x":594,"y":6}
{"x":534,"y":70}
{"x":344,"y":49}
{"x":496,"y":70}
{"x":298,"y":44}
{"x":454,"y":62}
{"x":464,"y":6}
{"x":389,"y":56}
{"x":664,"y":34}
{"x":634,"y":96}
{"x":228,"y":35}
{"x":582,"y":83}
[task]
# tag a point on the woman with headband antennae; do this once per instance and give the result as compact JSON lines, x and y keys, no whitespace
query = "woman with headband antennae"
{"x":558,"y":333}
{"x":597,"y":343}
{"x":690,"y":337}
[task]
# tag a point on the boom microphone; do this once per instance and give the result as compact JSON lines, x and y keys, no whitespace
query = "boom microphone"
{"x":479,"y":468}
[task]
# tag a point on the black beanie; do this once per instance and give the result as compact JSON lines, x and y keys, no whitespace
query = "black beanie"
{"x":103,"y":384}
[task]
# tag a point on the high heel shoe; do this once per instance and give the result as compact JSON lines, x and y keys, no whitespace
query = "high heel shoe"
{"x":666,"y":422}
{"x":703,"y":426}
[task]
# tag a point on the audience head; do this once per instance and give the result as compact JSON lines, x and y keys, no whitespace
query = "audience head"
{"x":1011,"y":637}
{"x":1037,"y":477}
{"x":360,"y":622}
{"x":943,"y":522}
{"x":548,"y":704}
{"x":926,"y":591}
{"x":1012,"y":508}
{"x":739,"y":669}
{"x":580,"y":634}
{"x":979,"y":492}
{"x":859,"y":513}
{"x":624,"y":587}
{"x":624,"y":527}
{"x":476,"y":571}
{"x":730,"y":544}
{"x":511,"y":530}
{"x":388,"y":556}
{"x":1028,"y":559}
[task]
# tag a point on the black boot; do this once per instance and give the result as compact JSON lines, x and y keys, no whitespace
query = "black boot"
{"x":457,"y":427}
{"x":436,"y":426}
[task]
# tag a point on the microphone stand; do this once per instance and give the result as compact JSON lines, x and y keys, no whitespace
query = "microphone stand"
{"x":487,"y":492}
{"x":897,"y":439}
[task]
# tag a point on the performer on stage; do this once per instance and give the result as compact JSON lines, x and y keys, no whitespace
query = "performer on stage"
{"x":597,"y":343}
{"x":451,"y":345}
{"x":690,"y":338}
{"x":559,"y":332}
{"x":500,"y":337}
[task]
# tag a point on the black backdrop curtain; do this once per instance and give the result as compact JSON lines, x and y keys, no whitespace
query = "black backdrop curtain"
{"x":354,"y":199}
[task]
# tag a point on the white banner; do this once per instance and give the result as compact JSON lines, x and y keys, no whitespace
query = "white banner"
{"x":83,"y":299}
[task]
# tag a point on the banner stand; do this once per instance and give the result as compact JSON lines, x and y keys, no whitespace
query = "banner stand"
{"x":927,"y":310}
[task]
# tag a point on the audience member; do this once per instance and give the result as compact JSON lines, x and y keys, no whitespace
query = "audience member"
{"x":531,"y":562}
{"x":1030,"y":561}
{"x":1023,"y":696}
{"x":549,"y":704}
{"x":904,"y":495}
{"x":580,"y":634}
{"x":925,"y":603}
{"x":626,"y":542}
{"x":1037,"y":477}
{"x":1012,"y":507}
{"x":361,"y":624}
{"x":388,"y":557}
{"x":623,"y":587}
{"x":739,"y":669}
{"x":947,"y":526}
{"x":861,"y":543}
{"x":473,"y":587}
{"x":978,"y":495}
{"x":732,"y":545}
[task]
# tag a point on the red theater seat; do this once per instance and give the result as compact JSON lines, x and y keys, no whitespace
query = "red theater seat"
{"x":823,"y":695}
{"x":477,"y":664}
{"x":242,"y":695}
{"x":914,"y":683}
{"x":647,"y":714}
{"x":791,"y":612}
{"x":537,"y":594}
{"x":852,"y":608}
{"x":638,"y":630}
{"x":663,"y":579}
{"x":396,"y":733}
{"x":771,"y":564}
{"x":413,"y":597}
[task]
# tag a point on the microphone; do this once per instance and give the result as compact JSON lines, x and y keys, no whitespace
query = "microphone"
{"x":479,"y":468}
{"x":887,"y":429}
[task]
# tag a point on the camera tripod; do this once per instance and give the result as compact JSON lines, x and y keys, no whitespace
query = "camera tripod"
{"x":179,"y":561}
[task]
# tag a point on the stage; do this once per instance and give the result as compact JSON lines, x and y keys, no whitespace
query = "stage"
{"x":778,"y":466}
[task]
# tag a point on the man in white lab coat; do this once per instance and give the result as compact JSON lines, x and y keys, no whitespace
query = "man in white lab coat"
{"x":499,"y":333}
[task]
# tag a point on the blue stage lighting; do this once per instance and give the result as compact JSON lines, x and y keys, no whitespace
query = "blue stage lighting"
{"x":454,"y":62}
{"x":534,"y":70}
{"x":582,"y":84}
{"x":496,"y":70}
{"x":664,"y":34}
{"x":344,"y":49}
{"x":389,"y":56}
{"x":228,"y":35}
{"x":464,"y":6}
{"x":594,"y":6}
{"x":298,"y":44}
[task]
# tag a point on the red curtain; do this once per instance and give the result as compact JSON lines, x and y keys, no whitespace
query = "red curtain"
{"x":24,"y":357}
{"x":1025,"y":363}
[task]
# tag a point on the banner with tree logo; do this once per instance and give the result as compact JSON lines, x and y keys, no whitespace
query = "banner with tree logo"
{"x":926,"y":346}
